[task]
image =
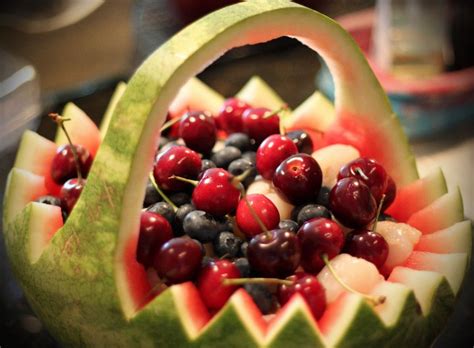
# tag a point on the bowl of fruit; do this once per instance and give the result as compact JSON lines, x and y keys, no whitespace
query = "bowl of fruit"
{"x":187,"y":219}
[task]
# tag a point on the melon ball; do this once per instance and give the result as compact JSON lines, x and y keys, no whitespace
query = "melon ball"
{"x":265,"y":187}
{"x":401,"y":239}
{"x":357,"y":273}
{"x":331,"y":158}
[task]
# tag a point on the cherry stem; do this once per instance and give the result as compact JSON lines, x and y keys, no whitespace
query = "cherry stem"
{"x":361,"y":173}
{"x":180,"y":178}
{"x":282,"y":128}
{"x":161,"y":193}
{"x":237,"y":180}
{"x":169,"y":123}
{"x":253,"y":212}
{"x":379,"y":210}
{"x":372,"y":299}
{"x":275,"y":112}
{"x":241,"y":281}
{"x":59,"y":120}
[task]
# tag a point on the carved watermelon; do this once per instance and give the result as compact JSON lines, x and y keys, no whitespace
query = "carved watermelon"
{"x":82,"y":279}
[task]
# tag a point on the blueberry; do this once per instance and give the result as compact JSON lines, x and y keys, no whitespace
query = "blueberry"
{"x":323,"y":196}
{"x":200,"y":225}
{"x":227,"y":244}
{"x":302,"y":140}
{"x":262,"y":297}
{"x":223,"y":157}
{"x":207,"y":164}
{"x":225,"y":224}
{"x":251,"y":156}
{"x":288,"y":225}
{"x":206,"y":261}
{"x":164,"y":209}
{"x":181,"y":213}
{"x":239,"y":140}
{"x":180,"y":198}
{"x":151,"y":195}
{"x":243,"y":249}
{"x":239,"y":166}
{"x":244,"y":267}
{"x":310,"y":211}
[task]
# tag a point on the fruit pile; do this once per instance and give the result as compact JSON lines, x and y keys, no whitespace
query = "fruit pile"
{"x":318,"y":220}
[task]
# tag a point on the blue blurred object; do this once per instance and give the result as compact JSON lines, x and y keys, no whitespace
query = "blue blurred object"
{"x":421,"y":115}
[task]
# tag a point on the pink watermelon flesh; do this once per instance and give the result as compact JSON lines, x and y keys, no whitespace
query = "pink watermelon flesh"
{"x":412,"y":198}
{"x":365,"y":137}
{"x":190,"y":303}
{"x":139,"y":286}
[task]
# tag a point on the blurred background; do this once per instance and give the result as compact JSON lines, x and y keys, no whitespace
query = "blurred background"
{"x":54,"y":51}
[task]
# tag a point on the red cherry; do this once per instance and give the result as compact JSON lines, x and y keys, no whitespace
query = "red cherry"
{"x":298,"y":178}
{"x":352,"y":203}
{"x":310,"y":288}
{"x":63,"y":166}
{"x":155,"y":231}
{"x":271,"y":152}
{"x":265,"y":210}
{"x":370,"y":172}
{"x":179,"y":161}
{"x":275,"y":253}
{"x":198,"y":131}
{"x":319,"y":236}
{"x":215,"y":193}
{"x":70,"y":192}
{"x":258,"y":125}
{"x":368,"y":245}
{"x":390,"y":193}
{"x":178,"y":260}
{"x":229,"y":118}
{"x":213,"y":293}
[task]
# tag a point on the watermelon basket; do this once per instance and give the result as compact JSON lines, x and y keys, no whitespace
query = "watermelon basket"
{"x":426,"y":107}
{"x":82,"y":278}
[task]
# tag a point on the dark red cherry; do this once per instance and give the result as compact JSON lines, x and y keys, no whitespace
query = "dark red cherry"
{"x":298,"y":178}
{"x":271,"y":152}
{"x":319,"y":236}
{"x":351,"y":203}
{"x":215,"y":193}
{"x":70,"y":192}
{"x":178,"y":260}
{"x":155,"y":231}
{"x":390,"y":193}
{"x":179,"y":161}
{"x":275,"y":253}
{"x":368,"y":245}
{"x":213,"y":293}
{"x":259,"y":125}
{"x":302,"y":141}
{"x":265,"y":210}
{"x":229,"y":118}
{"x":370,"y":172}
{"x":63,"y":166}
{"x":309,"y":288}
{"x":198,"y":130}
